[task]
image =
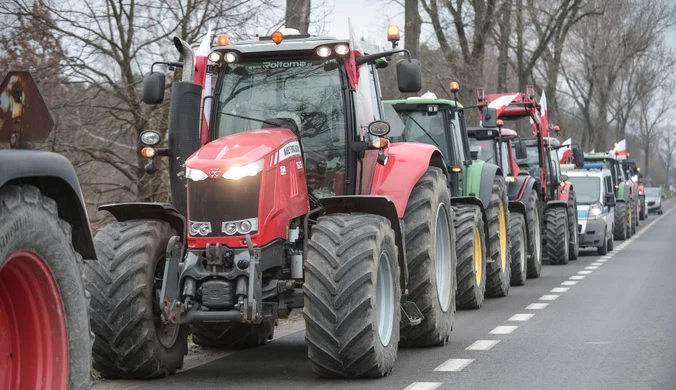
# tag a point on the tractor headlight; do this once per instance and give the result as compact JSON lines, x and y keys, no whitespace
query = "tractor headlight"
{"x":244,"y":226}
{"x":195,"y":174}
{"x":200,"y":228}
{"x":236,"y":173}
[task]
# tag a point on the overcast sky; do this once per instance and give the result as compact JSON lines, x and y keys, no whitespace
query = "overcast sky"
{"x":370,"y":19}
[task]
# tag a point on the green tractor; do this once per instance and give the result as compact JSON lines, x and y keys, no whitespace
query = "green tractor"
{"x":479,"y":197}
{"x":626,"y":209}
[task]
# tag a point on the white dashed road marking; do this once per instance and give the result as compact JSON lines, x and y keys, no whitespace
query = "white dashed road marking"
{"x":423,"y":385}
{"x":482,"y":345}
{"x":577,"y":277}
{"x":585,"y":272}
{"x":592,"y":267}
{"x":560,"y":289}
{"x":596,"y":264}
{"x":454,"y":365}
{"x":548,"y":297}
{"x":569,"y":283}
{"x":537,"y":306}
{"x":602,"y":260}
{"x":503,"y":329}
{"x":521,"y":317}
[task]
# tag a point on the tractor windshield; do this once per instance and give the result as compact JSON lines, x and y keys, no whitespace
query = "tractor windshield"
{"x":531,"y":162}
{"x":426,"y":128}
{"x":484,"y":150}
{"x":300,"y":92}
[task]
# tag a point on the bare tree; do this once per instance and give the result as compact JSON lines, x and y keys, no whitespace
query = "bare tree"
{"x":298,"y":15}
{"x":653,"y":109}
{"x":668,"y":151}
{"x":412,"y":27}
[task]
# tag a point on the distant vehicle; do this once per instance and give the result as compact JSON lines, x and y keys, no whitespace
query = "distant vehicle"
{"x":653,"y":198}
{"x":595,"y":204}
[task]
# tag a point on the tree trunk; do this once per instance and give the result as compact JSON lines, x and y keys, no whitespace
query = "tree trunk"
{"x":298,"y":15}
{"x":505,"y":32}
{"x":412,"y":28}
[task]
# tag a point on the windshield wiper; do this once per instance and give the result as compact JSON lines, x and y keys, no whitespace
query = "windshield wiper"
{"x":423,"y":129}
{"x":248,"y":118}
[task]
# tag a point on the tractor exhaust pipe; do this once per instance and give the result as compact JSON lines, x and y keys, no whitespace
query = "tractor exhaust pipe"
{"x":188,"y":59}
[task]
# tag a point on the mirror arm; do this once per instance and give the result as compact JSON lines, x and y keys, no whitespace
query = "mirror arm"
{"x":372,"y":57}
{"x":170,"y":64}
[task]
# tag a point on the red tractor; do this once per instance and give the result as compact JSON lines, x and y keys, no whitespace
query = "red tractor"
{"x":45,"y":341}
{"x":558,"y":204}
{"x":364,"y":248}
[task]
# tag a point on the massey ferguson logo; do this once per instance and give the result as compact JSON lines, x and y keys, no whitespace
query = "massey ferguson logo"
{"x":214,"y":172}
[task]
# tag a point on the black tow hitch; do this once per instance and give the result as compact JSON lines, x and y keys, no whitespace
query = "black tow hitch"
{"x":169,"y":296}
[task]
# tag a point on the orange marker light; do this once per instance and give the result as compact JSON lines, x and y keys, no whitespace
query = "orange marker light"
{"x":380,"y":143}
{"x":148,"y":152}
{"x":455,"y":87}
{"x":556,"y":128}
{"x":223,"y":40}
{"x":499,"y":123}
{"x":277,"y":37}
{"x":456,"y":169}
{"x":393,"y":33}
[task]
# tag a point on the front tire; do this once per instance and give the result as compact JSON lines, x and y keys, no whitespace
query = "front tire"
{"x":603,"y":249}
{"x":131,"y":340}
{"x":620,"y":228}
{"x":534,"y":236}
{"x":499,"y":269}
{"x":39,"y":269}
{"x":471,"y":250}
{"x":517,"y":232}
{"x":431,"y":260}
{"x":556,"y":235}
{"x":574,"y":250}
{"x":352,"y":296}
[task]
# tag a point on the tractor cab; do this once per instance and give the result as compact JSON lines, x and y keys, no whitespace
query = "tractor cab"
{"x":497,"y":146}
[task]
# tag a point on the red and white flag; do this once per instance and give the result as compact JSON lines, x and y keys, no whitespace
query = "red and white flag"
{"x":544,"y":115}
{"x":201,"y":64}
{"x":565,"y":153}
{"x":620,"y":150}
{"x":359,"y":80}
{"x":501,"y":103}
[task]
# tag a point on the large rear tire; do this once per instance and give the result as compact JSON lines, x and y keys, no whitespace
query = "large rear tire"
{"x":534,"y":235}
{"x":517,"y":232}
{"x":232,"y":334}
{"x":556,"y":236}
{"x":352,"y":296}
{"x":620,"y":228}
{"x":471,"y":251}
{"x":498,"y":270}
{"x":131,"y":340}
{"x":574,"y":249}
{"x":431,"y":260}
{"x":45,"y":341}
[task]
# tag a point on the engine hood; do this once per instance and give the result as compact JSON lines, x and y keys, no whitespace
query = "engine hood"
{"x":239,"y":149}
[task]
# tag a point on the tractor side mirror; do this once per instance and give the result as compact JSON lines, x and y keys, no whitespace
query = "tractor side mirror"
{"x":489,"y":117}
{"x":153,"y":88}
{"x":409,"y":75}
{"x":563,"y":177}
{"x":610,"y":199}
{"x":578,"y":156}
{"x":520,"y":150}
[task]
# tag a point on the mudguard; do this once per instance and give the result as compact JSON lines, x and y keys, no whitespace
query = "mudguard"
{"x":557,"y":204}
{"x":54,"y":175}
{"x":380,"y":205}
{"x":407,"y":162}
{"x":473,"y":200}
{"x":516,"y":191}
{"x":479,"y":180}
{"x":148,"y":210}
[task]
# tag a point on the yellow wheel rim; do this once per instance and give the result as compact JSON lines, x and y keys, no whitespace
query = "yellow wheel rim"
{"x":478,"y":256}
{"x":502,"y":221}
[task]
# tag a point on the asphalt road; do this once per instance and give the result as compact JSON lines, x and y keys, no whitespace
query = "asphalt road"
{"x":597,"y":323}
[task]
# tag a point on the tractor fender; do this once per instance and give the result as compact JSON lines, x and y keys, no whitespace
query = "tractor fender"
{"x":564,"y":191}
{"x":55,"y":177}
{"x":520,"y":189}
{"x":557,"y":204}
{"x":379,"y":205}
{"x":148,"y":210}
{"x":407,"y":162}
{"x":473,"y":200}
{"x":479,"y":177}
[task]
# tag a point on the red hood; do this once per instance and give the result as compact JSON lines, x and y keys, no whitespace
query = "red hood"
{"x":239,"y":149}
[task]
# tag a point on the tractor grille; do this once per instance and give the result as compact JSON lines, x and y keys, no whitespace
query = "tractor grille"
{"x":222,"y":200}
